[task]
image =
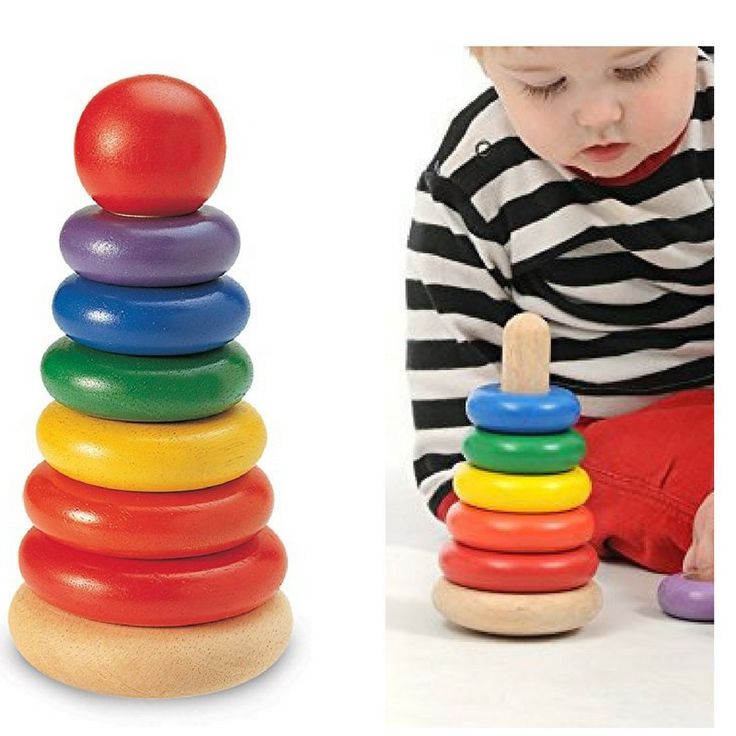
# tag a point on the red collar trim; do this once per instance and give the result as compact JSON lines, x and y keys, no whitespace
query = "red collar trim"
{"x":647,"y":167}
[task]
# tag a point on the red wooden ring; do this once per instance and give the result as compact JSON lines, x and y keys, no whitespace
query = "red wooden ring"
{"x":506,"y":532}
{"x":502,"y":572}
{"x":148,"y":525}
{"x":180,"y":592}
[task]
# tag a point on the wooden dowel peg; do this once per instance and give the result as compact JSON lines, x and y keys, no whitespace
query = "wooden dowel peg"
{"x":526,"y":355}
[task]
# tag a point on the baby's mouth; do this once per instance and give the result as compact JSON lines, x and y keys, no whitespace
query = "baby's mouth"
{"x":609,"y":152}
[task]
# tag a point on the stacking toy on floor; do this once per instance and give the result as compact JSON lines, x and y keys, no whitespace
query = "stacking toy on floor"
{"x":150,"y":570}
{"x":520,"y":562}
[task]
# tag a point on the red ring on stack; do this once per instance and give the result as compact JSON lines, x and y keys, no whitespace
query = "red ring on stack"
{"x":504,"y":572}
{"x":178,"y":592}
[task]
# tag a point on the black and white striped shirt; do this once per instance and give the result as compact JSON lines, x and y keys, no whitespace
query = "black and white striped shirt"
{"x":623,"y":275}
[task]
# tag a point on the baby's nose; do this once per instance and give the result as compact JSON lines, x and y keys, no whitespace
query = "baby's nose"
{"x":598,"y":112}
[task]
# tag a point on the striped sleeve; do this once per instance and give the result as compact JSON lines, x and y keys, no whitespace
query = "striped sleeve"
{"x":458,"y":301}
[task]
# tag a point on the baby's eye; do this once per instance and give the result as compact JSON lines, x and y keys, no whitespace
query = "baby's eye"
{"x":546,"y":91}
{"x":638,"y":72}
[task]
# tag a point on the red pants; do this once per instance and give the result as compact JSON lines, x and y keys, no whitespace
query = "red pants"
{"x":651,"y":470}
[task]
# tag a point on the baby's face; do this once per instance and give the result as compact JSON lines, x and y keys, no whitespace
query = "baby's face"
{"x":563,"y":100}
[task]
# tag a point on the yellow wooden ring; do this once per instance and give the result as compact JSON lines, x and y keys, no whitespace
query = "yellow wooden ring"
{"x":521,"y":493}
{"x":140,"y":456}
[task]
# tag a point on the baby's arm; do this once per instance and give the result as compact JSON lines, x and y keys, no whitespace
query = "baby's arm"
{"x":698,"y":562}
{"x":457,"y":306}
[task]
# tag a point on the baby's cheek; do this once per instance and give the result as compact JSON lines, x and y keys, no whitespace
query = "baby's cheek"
{"x":655,"y":121}
{"x":541,"y":132}
{"x":659,"y":114}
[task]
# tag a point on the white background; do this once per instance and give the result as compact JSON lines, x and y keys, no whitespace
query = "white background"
{"x":331,"y":111}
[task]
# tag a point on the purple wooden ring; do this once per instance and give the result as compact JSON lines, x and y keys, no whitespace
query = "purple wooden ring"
{"x":684,"y":598}
{"x":149,"y":251}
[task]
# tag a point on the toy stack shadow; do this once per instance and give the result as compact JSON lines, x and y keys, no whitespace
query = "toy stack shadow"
{"x":150,"y":570}
{"x":520,"y":562}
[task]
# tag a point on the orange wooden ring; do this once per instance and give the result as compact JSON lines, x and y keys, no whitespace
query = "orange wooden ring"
{"x":189,"y":590}
{"x":504,"y":572}
{"x":148,"y":525}
{"x":506,"y":532}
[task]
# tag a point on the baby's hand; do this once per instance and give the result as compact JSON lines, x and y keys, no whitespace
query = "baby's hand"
{"x":698,"y":562}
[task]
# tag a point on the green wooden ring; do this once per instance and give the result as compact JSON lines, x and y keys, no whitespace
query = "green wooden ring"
{"x":524,"y":453}
{"x":136,"y":388}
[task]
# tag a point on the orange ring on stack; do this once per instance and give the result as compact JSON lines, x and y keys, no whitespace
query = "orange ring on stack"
{"x":148,"y":525}
{"x":504,"y":531}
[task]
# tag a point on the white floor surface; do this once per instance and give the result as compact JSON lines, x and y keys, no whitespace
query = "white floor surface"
{"x":632,"y":666}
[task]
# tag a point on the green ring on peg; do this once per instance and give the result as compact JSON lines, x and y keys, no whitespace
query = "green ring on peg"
{"x":524,"y":453}
{"x":135,"y":388}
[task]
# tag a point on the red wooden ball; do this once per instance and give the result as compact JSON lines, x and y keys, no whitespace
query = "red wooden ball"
{"x":150,"y":145}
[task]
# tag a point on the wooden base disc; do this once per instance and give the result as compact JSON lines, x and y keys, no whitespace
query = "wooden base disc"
{"x":517,"y":614}
{"x":144,"y":662}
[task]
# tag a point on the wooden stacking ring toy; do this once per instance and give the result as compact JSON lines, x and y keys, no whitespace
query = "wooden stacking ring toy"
{"x":135,"y":592}
{"x":150,"y":145}
{"x":135,"y":388}
{"x":181,"y":456}
{"x":517,"y":614}
{"x":150,"y":251}
{"x":151,"y":321}
{"x":503,"y":572}
{"x":686,"y":598}
{"x":520,"y":562}
{"x":150,"y":570}
{"x":507,"y":532}
{"x":494,"y":410}
{"x":148,"y":525}
{"x":518,"y":453}
{"x":143,"y":662}
{"x":521,"y":493}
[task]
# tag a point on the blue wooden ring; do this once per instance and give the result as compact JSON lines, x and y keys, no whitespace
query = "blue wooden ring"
{"x":156,"y":321}
{"x":149,"y":251}
{"x":494,"y":410}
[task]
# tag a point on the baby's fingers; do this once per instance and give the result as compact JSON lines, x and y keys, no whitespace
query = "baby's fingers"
{"x":698,"y":562}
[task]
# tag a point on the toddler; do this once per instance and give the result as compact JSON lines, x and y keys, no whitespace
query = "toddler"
{"x":579,"y":186}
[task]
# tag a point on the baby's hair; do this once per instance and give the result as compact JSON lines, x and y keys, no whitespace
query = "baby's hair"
{"x":478,"y":52}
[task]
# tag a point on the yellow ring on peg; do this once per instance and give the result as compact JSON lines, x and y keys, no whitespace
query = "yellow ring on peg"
{"x":140,"y":456}
{"x":521,"y":493}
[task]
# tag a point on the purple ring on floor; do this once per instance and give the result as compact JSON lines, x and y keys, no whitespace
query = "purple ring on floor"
{"x":684,"y":598}
{"x":149,"y":251}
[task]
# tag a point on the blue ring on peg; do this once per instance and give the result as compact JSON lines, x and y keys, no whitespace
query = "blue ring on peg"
{"x":151,"y":321}
{"x":494,"y":410}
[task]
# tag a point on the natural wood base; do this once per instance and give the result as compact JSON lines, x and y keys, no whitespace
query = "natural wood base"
{"x":146,"y":662}
{"x":516,"y":614}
